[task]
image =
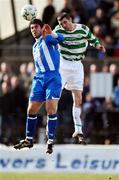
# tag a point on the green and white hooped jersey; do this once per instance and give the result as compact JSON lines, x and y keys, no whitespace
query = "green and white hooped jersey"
{"x":74,"y":46}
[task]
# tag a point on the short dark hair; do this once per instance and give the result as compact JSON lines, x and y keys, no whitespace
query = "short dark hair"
{"x":63,"y":15}
{"x":36,"y":21}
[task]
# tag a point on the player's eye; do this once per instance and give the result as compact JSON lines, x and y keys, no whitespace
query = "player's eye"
{"x":65,"y":22}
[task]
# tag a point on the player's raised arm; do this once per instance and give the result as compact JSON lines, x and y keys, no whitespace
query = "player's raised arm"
{"x":93,"y":40}
{"x":50,"y":36}
{"x":46,"y":30}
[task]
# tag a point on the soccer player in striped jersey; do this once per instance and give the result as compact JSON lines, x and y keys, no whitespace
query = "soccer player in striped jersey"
{"x":72,"y":51}
{"x":46,"y":85}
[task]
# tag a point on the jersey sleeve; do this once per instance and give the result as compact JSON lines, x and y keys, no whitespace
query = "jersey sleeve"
{"x":57,"y":29}
{"x":90,"y":36}
{"x":50,"y":39}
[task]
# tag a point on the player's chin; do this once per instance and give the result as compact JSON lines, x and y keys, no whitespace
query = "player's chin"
{"x":36,"y":36}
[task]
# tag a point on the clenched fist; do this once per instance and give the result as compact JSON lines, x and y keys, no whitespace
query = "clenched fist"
{"x":46,"y":30}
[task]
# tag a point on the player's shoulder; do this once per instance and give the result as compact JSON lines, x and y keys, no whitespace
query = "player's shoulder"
{"x":83,"y":27}
{"x":57,"y":28}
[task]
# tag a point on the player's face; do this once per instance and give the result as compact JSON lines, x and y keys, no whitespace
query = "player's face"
{"x":66,"y":24}
{"x":35,"y":30}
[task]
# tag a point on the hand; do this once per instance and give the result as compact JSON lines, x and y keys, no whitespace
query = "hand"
{"x":100,"y":48}
{"x":46,"y":30}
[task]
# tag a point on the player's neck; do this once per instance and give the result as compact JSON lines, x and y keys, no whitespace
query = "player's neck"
{"x":72,"y":27}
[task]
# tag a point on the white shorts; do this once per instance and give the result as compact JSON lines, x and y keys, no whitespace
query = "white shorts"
{"x":72,"y":73}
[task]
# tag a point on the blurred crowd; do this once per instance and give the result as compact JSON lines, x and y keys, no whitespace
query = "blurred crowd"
{"x":13,"y":101}
{"x":100,"y":115}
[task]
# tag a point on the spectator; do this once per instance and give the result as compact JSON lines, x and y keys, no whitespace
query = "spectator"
{"x":7,"y":109}
{"x":19,"y":95}
{"x":78,"y":12}
{"x":114,"y":69}
{"x":23,"y":76}
{"x":105,"y":68}
{"x":76,"y":16}
{"x":30,"y":69}
{"x":116,"y":95}
{"x":109,"y":45}
{"x":48,"y":13}
{"x":114,"y":8}
{"x":90,"y":7}
{"x":66,"y":7}
{"x":93,"y":68}
{"x":5,"y":69}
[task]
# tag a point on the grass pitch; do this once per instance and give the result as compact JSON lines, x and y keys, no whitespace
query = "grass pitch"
{"x":56,"y":176}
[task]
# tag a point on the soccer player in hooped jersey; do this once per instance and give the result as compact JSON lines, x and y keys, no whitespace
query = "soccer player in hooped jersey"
{"x":46,"y":85}
{"x":72,"y":51}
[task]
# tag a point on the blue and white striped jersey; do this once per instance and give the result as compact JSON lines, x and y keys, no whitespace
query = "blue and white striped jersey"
{"x":46,"y":54}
